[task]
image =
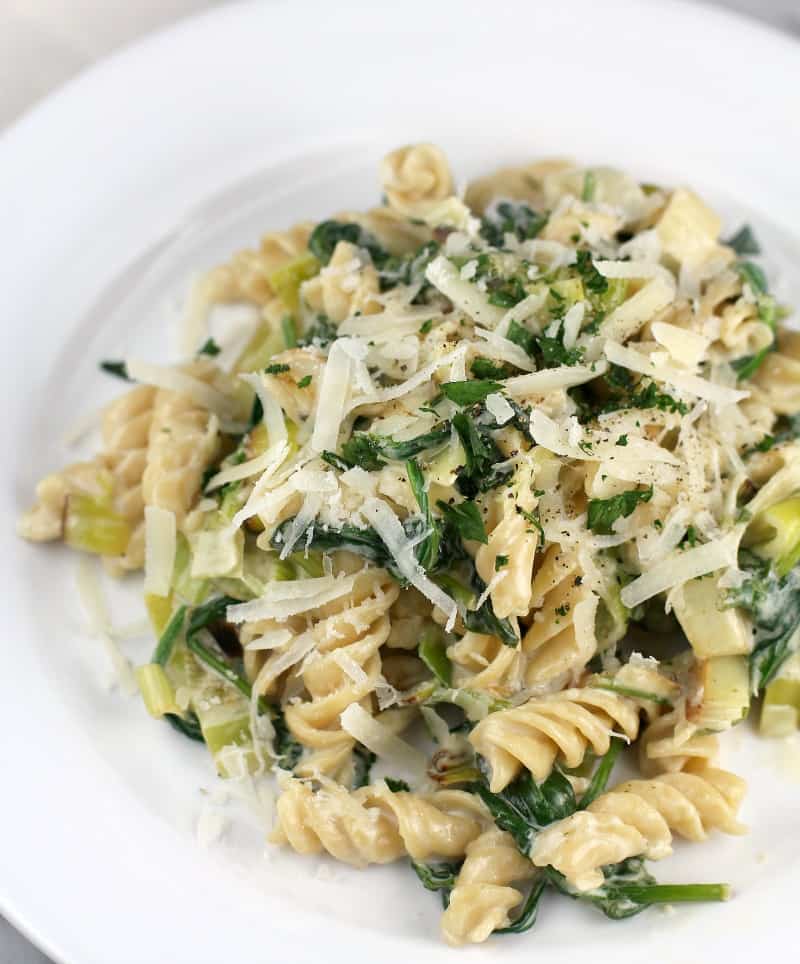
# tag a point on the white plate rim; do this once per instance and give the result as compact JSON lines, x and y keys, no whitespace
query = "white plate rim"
{"x":53,"y":114}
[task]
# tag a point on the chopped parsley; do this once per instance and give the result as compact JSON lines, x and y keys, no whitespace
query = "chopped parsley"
{"x":786,"y":429}
{"x":511,"y":217}
{"x":276,"y":369}
{"x":500,"y":562}
{"x":622,"y":440}
{"x":469,"y":392}
{"x":321,"y":334}
{"x":426,"y":326}
{"x":593,"y":281}
{"x":117,"y":368}
{"x":209,"y":347}
{"x":602,"y":513}
{"x":304,"y":382}
{"x":744,"y":241}
{"x":327,"y":234}
{"x":486,"y":368}
{"x":589,"y":186}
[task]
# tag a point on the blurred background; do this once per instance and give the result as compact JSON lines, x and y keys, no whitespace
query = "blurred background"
{"x":43,"y":43}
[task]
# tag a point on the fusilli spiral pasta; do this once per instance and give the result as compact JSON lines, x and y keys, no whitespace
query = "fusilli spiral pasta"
{"x":561,"y":639}
{"x":126,"y":439}
{"x":375,"y":825}
{"x":483,"y":896}
{"x":345,"y":668}
{"x":559,"y":726}
{"x":415,"y":176}
{"x":639,"y":817}
{"x":184,"y":437}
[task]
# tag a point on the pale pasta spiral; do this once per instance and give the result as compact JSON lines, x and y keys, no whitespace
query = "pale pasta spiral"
{"x":557,"y":727}
{"x":639,"y":818}
{"x":483,"y":896}
{"x":345,"y":669}
{"x":184,"y":437}
{"x":375,"y":825}
{"x":778,"y":378}
{"x":515,"y":538}
{"x":731,"y":319}
{"x":44,"y":522}
{"x":415,"y":176}
{"x":561,"y":639}
{"x":662,"y":749}
{"x":523,"y":183}
{"x":486,"y":663}
{"x":126,"y":438}
{"x":246,"y":277}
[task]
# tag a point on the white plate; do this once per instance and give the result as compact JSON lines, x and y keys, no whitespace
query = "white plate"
{"x":275,"y":112}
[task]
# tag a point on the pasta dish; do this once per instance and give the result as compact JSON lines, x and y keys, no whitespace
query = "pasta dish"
{"x":498,"y":494}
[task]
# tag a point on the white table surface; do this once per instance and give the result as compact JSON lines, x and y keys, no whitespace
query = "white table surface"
{"x":44,"y":43}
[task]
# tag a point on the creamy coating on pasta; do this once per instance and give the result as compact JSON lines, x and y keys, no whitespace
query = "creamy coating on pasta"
{"x":495,"y":486}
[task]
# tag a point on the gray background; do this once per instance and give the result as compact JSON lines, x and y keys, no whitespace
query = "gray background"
{"x":45,"y":42}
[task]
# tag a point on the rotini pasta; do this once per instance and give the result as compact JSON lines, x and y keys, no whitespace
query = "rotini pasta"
{"x":561,"y":726}
{"x":375,"y":825}
{"x":483,"y":896}
{"x":415,"y":176}
{"x":481,"y":493}
{"x":639,"y":817}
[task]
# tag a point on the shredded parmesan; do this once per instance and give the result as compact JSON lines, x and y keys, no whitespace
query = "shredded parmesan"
{"x":552,"y":379}
{"x":378,"y":738}
{"x":284,"y":599}
{"x":498,"y":407}
{"x":160,"y":533}
{"x":383,"y":520}
{"x":174,"y":380}
{"x":274,"y":421}
{"x":444,"y":275}
{"x":680,"y":566}
{"x":686,"y":347}
{"x":636,"y":361}
{"x":271,"y":639}
{"x":350,"y":667}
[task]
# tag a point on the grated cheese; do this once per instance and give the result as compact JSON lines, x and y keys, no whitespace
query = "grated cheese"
{"x":271,"y":639}
{"x":308,"y":513}
{"x":174,"y":380}
{"x":501,"y":348}
{"x":274,"y":421}
{"x":160,"y":532}
{"x":444,"y":276}
{"x":636,"y":361}
{"x":284,"y":599}
{"x":681,"y":566}
{"x":687,"y":347}
{"x":626,"y":320}
{"x":278,"y":663}
{"x":552,"y":379}
{"x":383,"y":520}
{"x":350,"y":667}
{"x":378,"y":738}
{"x":499,"y":408}
{"x":333,"y":393}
